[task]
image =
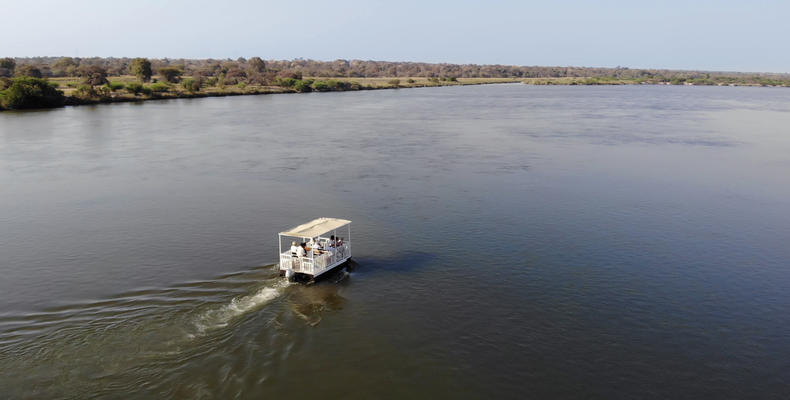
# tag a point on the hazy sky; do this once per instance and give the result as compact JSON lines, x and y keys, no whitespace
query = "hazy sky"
{"x":711,"y":35}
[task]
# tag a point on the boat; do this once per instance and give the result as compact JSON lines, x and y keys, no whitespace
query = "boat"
{"x":325,"y":243}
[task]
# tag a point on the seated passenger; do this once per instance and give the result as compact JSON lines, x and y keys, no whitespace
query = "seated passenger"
{"x":332,"y":242}
{"x":301,"y":251}
{"x":294,"y":249}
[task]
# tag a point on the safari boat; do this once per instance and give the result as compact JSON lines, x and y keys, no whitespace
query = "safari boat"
{"x":316,"y":247}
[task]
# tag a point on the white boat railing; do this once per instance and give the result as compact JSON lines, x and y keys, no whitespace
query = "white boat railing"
{"x":316,"y":263}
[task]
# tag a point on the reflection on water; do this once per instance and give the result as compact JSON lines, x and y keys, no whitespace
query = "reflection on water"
{"x":510,"y":241}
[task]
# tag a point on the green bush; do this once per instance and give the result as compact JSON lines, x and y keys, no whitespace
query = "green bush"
{"x":134,"y":88}
{"x":321,"y":86}
{"x":26,"y":92}
{"x":285,"y":82}
{"x":159,"y":87}
{"x":115,"y":86}
{"x":411,"y":80}
{"x":85,"y":91}
{"x":89,"y":92}
{"x":303,"y":85}
{"x":329,"y":85}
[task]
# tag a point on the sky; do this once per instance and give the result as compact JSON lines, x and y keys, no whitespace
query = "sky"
{"x":719,"y":35}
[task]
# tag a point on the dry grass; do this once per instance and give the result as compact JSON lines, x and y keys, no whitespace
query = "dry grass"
{"x":580,"y":81}
{"x":405,"y":82}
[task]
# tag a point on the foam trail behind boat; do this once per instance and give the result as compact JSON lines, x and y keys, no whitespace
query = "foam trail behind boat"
{"x":220,"y":317}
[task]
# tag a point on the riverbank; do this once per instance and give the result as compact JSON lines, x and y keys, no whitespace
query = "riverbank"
{"x":127,"y":88}
{"x":706,"y":81}
{"x":71,"y":91}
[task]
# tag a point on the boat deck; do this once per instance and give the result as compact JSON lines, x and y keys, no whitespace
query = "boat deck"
{"x":318,"y":264}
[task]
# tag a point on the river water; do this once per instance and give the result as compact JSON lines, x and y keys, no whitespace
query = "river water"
{"x":509,"y":241}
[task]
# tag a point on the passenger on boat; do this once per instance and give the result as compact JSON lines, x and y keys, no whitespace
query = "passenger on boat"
{"x":294,"y":249}
{"x":326,"y":246}
{"x":332,"y":242}
{"x":301,"y":251}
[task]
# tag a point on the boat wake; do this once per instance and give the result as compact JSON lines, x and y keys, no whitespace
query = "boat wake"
{"x":219,"y":317}
{"x":149,"y":333}
{"x":191,"y":307}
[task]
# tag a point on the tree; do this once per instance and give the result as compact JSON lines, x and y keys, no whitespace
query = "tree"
{"x":28,"y":92}
{"x":93,"y":75}
{"x":7,"y":66}
{"x":65,"y":66}
{"x":27,"y":70}
{"x":234,"y":75}
{"x":141,"y":68}
{"x":192,"y":84}
{"x":256,"y":65}
{"x":170,"y":74}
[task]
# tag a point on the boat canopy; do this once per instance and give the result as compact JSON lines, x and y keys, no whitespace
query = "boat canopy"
{"x":316,"y":227}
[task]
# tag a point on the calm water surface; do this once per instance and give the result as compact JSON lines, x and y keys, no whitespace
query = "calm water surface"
{"x":509,"y":242}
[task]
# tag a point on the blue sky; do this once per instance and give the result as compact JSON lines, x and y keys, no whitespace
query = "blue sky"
{"x":710,"y":35}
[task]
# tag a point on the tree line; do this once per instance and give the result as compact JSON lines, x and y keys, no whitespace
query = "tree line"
{"x":255,"y":70}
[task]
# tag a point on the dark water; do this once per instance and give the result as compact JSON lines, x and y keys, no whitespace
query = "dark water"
{"x":510,"y":242}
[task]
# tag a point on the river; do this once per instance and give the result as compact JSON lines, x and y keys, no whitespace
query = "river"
{"x":510,"y":241}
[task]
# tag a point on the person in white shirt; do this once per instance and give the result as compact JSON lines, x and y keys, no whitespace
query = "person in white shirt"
{"x":300,"y":251}
{"x":294,"y":249}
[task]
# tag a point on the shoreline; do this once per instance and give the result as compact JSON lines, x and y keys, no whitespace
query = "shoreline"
{"x":267,"y":90}
{"x":103,"y":95}
{"x":606,"y":81}
{"x":174,"y":91}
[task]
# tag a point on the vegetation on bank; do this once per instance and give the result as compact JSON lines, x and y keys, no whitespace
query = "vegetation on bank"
{"x":51,"y":82}
{"x":27,"y":92}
